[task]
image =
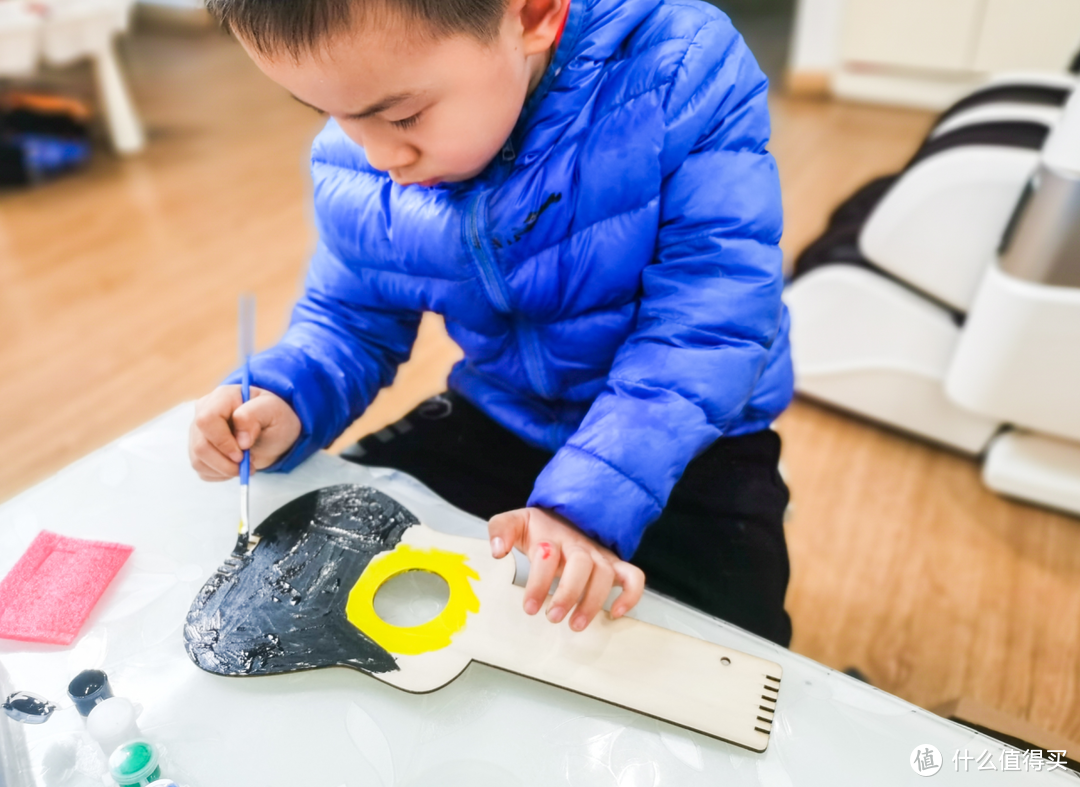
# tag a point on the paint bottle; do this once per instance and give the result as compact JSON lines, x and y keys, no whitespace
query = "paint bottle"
{"x":88,"y":688}
{"x":112,"y":723}
{"x":134,"y":764}
{"x":22,"y":706}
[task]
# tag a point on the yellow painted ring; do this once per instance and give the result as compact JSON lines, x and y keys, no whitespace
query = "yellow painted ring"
{"x":437,"y":632}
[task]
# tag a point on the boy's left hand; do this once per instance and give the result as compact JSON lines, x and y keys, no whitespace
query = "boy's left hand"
{"x":556,"y":548}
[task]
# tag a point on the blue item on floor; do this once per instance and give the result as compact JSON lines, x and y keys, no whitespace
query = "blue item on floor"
{"x":41,"y":137}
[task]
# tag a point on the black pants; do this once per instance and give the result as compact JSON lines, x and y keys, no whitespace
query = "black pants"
{"x":718,"y":546}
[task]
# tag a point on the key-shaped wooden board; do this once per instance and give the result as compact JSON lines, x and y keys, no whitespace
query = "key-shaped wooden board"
{"x":304,"y":599}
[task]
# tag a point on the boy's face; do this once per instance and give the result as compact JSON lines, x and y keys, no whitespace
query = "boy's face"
{"x":425,"y":109}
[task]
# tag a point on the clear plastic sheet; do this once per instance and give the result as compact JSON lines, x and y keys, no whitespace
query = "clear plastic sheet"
{"x":340,"y":728}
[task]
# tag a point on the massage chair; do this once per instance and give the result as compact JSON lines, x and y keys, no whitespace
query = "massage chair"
{"x":944,"y":301}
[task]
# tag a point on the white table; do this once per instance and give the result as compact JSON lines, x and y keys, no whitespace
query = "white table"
{"x":340,"y":728}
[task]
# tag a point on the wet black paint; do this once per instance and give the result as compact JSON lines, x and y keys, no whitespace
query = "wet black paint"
{"x":281,"y":608}
{"x":28,"y":708}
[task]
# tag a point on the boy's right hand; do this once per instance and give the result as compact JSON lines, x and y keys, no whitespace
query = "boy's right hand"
{"x":225,"y":427}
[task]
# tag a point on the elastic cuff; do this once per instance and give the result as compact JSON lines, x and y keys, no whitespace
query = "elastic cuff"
{"x":602,"y":502}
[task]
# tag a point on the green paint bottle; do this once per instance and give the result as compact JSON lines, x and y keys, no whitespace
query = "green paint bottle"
{"x":134,"y":764}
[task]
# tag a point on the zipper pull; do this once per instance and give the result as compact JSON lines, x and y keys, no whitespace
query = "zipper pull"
{"x":508,"y":153}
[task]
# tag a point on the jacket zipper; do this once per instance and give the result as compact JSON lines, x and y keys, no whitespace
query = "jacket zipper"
{"x":496,"y":290}
{"x":534,"y":365}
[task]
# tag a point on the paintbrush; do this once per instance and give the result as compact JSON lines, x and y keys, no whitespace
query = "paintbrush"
{"x":247,"y":346}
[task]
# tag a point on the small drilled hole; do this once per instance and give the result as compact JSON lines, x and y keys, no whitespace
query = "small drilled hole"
{"x":725,"y":661}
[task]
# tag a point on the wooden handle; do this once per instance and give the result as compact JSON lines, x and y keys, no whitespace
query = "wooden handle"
{"x":673,"y":677}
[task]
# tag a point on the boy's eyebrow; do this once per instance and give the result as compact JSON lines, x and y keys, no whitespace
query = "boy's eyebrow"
{"x":379,"y":106}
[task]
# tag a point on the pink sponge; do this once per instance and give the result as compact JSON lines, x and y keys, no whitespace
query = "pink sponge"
{"x":49,"y":593}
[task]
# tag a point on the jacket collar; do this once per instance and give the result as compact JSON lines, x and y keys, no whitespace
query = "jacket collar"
{"x":594,"y":31}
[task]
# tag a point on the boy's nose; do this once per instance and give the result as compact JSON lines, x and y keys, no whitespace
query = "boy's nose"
{"x":387,"y":157}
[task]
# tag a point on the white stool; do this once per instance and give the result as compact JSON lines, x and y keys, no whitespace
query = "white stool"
{"x":64,"y":31}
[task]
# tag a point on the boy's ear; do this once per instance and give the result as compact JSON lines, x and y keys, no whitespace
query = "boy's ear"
{"x":540,"y":22}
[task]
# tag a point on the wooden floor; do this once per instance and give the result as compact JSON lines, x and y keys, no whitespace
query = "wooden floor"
{"x":118,"y":293}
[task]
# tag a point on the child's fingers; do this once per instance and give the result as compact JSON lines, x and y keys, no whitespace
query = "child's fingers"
{"x":207,"y":473}
{"x":252,"y":417}
{"x":575,"y":575}
{"x":209,"y":463}
{"x":596,"y":593}
{"x":545,"y":558}
{"x":632,"y":581}
{"x":213,"y":425}
{"x":214,"y":462}
{"x":506,"y":531}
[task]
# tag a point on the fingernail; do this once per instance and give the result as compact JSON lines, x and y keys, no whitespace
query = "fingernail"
{"x":243,"y":439}
{"x":531,"y":606}
{"x":498,"y":548}
{"x":555,"y":614}
{"x":578,"y":623}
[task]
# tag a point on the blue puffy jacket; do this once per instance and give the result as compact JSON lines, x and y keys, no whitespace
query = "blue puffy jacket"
{"x":613,"y":277}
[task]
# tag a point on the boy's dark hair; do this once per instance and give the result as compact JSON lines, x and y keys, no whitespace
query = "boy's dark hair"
{"x":297,"y":26}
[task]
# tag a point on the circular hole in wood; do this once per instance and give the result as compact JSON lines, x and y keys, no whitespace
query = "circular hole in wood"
{"x":725,"y":661}
{"x":411,"y":598}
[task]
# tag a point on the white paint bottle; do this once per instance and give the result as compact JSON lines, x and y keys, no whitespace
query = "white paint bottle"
{"x":111,"y":723}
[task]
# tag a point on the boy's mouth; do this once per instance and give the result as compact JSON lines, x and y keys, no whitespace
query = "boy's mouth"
{"x":426,"y":183}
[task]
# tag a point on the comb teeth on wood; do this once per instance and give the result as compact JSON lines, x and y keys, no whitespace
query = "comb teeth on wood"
{"x":767,"y":708}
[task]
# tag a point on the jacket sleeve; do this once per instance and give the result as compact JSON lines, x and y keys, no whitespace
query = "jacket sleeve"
{"x":338,"y":352}
{"x":710,"y":305}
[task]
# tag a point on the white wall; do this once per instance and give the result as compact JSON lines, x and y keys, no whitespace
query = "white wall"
{"x":816,"y":37}
{"x":925,"y":53}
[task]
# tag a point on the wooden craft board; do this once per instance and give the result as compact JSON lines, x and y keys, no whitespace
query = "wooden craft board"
{"x":661,"y":673}
{"x":280,"y":613}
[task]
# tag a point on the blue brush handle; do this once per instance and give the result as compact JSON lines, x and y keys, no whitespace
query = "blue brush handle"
{"x":245,"y":393}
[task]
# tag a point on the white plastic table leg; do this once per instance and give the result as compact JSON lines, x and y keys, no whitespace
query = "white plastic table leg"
{"x":125,"y":128}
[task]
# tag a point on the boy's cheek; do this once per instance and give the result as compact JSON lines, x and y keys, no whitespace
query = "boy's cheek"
{"x":464,"y":146}
{"x":460,"y":155}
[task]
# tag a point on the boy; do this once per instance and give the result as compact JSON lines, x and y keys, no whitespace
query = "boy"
{"x":582,"y":189}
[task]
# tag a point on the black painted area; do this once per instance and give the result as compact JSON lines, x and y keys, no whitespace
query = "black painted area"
{"x":281,"y":608}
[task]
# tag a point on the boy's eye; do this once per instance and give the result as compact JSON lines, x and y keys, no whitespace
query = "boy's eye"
{"x":408,"y":122}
